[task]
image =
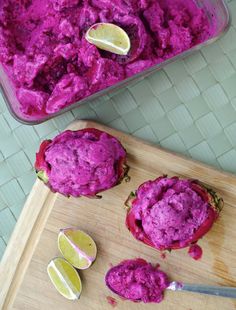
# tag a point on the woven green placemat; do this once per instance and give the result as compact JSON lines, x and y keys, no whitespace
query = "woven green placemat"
{"x":189,"y":107}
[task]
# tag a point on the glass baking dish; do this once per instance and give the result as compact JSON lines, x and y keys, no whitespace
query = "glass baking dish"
{"x":218,"y":15}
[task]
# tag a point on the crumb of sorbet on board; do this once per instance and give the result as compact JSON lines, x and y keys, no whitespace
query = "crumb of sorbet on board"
{"x":195,"y":251}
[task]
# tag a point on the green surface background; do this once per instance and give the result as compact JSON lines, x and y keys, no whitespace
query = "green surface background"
{"x":189,"y":107}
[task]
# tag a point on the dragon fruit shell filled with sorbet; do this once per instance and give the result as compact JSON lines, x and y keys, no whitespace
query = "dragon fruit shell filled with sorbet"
{"x":137,"y":280}
{"x":81,"y":163}
{"x":172,"y":213}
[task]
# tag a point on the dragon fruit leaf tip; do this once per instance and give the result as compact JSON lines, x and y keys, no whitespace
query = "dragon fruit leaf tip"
{"x":42,"y":175}
{"x":129,"y":200}
{"x":40,"y":160}
{"x":218,"y":201}
{"x":126,"y":169}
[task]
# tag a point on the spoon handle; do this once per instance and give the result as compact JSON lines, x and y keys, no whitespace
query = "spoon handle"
{"x":210,"y":290}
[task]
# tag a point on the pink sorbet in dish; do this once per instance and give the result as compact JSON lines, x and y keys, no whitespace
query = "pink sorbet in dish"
{"x":81,"y":163}
{"x":137,"y":280}
{"x":51,"y":65}
{"x":172,"y":213}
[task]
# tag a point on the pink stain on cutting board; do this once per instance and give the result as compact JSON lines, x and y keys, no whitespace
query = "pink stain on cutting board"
{"x":112,"y":301}
{"x":163,"y":255}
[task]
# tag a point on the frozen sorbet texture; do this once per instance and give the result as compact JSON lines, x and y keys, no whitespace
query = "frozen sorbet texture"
{"x":137,"y":280}
{"x":195,"y":251}
{"x":82,"y":162}
{"x":50,"y":64}
{"x":169,"y":210}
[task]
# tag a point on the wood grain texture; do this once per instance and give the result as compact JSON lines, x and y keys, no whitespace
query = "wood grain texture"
{"x":23,"y":241}
{"x":28,"y":286}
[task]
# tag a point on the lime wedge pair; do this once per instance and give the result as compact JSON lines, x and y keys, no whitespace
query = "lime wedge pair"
{"x":79,"y":251}
{"x":109,"y":37}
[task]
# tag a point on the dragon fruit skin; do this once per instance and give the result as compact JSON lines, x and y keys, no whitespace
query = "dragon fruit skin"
{"x":209,"y":197}
{"x":116,"y":164}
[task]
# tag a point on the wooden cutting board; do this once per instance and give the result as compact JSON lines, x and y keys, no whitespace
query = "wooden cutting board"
{"x":24,"y":283}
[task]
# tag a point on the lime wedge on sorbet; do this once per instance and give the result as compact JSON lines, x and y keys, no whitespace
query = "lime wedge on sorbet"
{"x":109,"y":37}
{"x":77,"y":247}
{"x":65,"y":278}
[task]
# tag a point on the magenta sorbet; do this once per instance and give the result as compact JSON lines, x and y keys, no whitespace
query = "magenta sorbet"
{"x":172,"y":213}
{"x":81,"y":163}
{"x":51,"y":65}
{"x":137,"y":280}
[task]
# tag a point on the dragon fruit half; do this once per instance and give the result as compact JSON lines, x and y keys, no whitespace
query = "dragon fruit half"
{"x":172,"y":213}
{"x":81,"y":163}
{"x":137,"y":280}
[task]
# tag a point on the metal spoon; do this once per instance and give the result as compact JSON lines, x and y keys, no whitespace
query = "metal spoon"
{"x":222,"y":291}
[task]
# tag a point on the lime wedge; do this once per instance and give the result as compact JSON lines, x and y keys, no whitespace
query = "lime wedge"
{"x":77,"y":247}
{"x":109,"y":37}
{"x":65,"y":278}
